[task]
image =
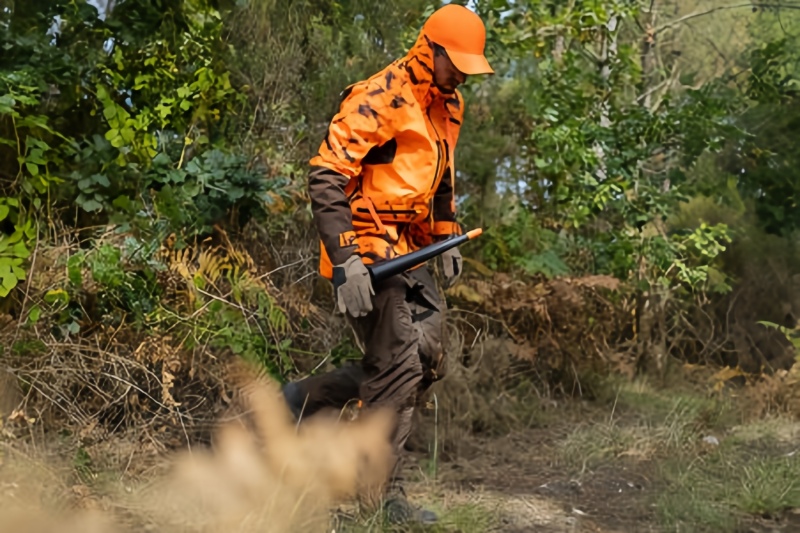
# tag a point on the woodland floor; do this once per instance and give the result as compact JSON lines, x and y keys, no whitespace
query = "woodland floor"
{"x":648,"y":461}
{"x":634,"y":459}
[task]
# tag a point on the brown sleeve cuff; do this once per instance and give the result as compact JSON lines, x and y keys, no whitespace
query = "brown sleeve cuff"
{"x":331,"y":210}
{"x":446,"y":228}
{"x":444,"y":208}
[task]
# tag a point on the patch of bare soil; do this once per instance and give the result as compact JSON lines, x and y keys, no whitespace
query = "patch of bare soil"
{"x":536,"y":493}
{"x":525,"y":482}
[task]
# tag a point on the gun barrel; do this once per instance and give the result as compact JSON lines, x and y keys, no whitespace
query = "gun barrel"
{"x":392,"y":267}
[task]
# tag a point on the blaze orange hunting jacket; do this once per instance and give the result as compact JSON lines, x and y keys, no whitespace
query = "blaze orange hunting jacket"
{"x":382,"y":182}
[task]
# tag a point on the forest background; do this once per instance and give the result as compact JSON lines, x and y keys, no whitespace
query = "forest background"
{"x":632,"y":164}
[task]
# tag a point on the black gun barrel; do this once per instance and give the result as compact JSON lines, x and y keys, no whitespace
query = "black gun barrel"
{"x":392,"y":267}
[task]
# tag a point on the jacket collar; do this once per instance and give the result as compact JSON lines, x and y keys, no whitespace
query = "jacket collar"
{"x":418,"y":65}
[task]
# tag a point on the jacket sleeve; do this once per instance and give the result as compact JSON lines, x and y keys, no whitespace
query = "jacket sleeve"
{"x":361,"y":123}
{"x":444,"y":201}
{"x":331,"y":210}
{"x":444,"y":208}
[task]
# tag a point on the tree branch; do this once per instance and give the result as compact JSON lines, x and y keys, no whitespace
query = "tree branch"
{"x":722,"y":8}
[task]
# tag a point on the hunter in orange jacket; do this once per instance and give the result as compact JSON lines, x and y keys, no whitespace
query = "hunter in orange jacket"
{"x":382,"y":182}
{"x":382,"y":185}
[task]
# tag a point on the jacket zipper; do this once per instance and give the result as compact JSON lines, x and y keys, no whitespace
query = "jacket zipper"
{"x":438,"y":149}
{"x":388,"y":211}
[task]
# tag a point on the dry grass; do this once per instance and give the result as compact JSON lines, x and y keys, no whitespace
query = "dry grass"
{"x":728,"y":487}
{"x":643,"y":424}
{"x":264,"y":475}
{"x":714,"y":469}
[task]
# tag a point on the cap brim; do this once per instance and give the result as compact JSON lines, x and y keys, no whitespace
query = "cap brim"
{"x":470,"y":64}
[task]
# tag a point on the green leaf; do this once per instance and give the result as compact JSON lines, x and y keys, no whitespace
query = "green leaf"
{"x":176,"y":176}
{"x":193,"y":167}
{"x":56,"y":295}
{"x":20,"y":250}
{"x":123,"y":203}
{"x":162,"y":160}
{"x":35,"y":121}
{"x":141,"y":80}
{"x":37,"y":143}
{"x":36,"y":156}
{"x":14,"y":237}
{"x":4,"y":211}
{"x":91,"y":205}
{"x":118,"y":142}
{"x":110,"y":112}
{"x":102,"y":180}
{"x":17,"y":271}
{"x":34,"y":314}
{"x":7,"y":104}
{"x":30,"y":230}
{"x":33,"y":169}
{"x":9,"y":281}
{"x":192,"y":188}
{"x":74,"y":265}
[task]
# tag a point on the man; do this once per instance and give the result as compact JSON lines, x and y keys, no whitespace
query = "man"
{"x":382,"y":185}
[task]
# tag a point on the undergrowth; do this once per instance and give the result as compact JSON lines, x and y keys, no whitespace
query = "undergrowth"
{"x":731,"y":485}
{"x":460,"y":518}
{"x":644,"y":423}
{"x":714,"y":468}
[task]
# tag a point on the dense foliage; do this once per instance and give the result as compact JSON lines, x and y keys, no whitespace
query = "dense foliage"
{"x":595,"y":149}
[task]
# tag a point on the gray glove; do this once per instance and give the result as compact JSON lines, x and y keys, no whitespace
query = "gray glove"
{"x":353,"y":287}
{"x":452,"y":265}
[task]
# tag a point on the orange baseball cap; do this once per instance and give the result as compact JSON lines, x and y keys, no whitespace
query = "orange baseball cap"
{"x":461,"y":33}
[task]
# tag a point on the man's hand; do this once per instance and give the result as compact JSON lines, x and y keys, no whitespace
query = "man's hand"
{"x":353,"y":287}
{"x":452,"y":265}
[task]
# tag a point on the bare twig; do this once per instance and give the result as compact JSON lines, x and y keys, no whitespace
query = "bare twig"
{"x":698,"y":14}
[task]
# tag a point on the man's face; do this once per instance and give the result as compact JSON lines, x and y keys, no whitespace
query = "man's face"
{"x":445,"y":75}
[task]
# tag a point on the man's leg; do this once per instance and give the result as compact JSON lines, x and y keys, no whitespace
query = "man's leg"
{"x":389,"y":371}
{"x":391,"y":367}
{"x":405,"y":311}
{"x":334,"y":389}
{"x":427,"y":310}
{"x":390,"y":338}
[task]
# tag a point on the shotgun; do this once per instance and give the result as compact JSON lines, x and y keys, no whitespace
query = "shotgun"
{"x":392,"y":267}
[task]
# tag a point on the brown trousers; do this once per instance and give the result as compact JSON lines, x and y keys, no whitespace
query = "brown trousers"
{"x":401,"y":342}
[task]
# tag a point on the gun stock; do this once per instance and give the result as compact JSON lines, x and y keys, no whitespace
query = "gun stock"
{"x":392,"y":267}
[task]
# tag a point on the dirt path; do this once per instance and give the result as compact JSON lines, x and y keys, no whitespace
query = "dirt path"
{"x":667,"y":462}
{"x":518,"y":481}
{"x":657,"y":461}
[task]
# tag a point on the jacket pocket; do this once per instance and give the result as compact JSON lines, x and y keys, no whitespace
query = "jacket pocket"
{"x":364,"y":208}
